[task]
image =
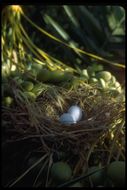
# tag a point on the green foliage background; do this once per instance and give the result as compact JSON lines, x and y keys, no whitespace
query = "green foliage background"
{"x":99,"y":30}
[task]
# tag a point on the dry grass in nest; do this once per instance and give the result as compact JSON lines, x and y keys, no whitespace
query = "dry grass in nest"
{"x":103,"y":120}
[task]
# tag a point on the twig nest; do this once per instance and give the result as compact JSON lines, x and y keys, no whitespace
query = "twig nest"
{"x":75,"y":112}
{"x":67,"y":119}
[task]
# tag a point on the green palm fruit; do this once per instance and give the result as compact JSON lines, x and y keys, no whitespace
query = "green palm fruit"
{"x":105,"y":75}
{"x":61,"y":171}
{"x":116,"y":172}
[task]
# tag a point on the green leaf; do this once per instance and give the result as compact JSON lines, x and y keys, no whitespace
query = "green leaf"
{"x":58,"y":28}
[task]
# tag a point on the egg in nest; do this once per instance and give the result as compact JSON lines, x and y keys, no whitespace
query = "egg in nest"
{"x":75,"y":112}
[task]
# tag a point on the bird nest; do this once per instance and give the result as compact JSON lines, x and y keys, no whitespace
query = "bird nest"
{"x":38,"y":121}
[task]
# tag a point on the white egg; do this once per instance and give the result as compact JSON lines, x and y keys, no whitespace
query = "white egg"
{"x":67,"y":118}
{"x":76,"y":112}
